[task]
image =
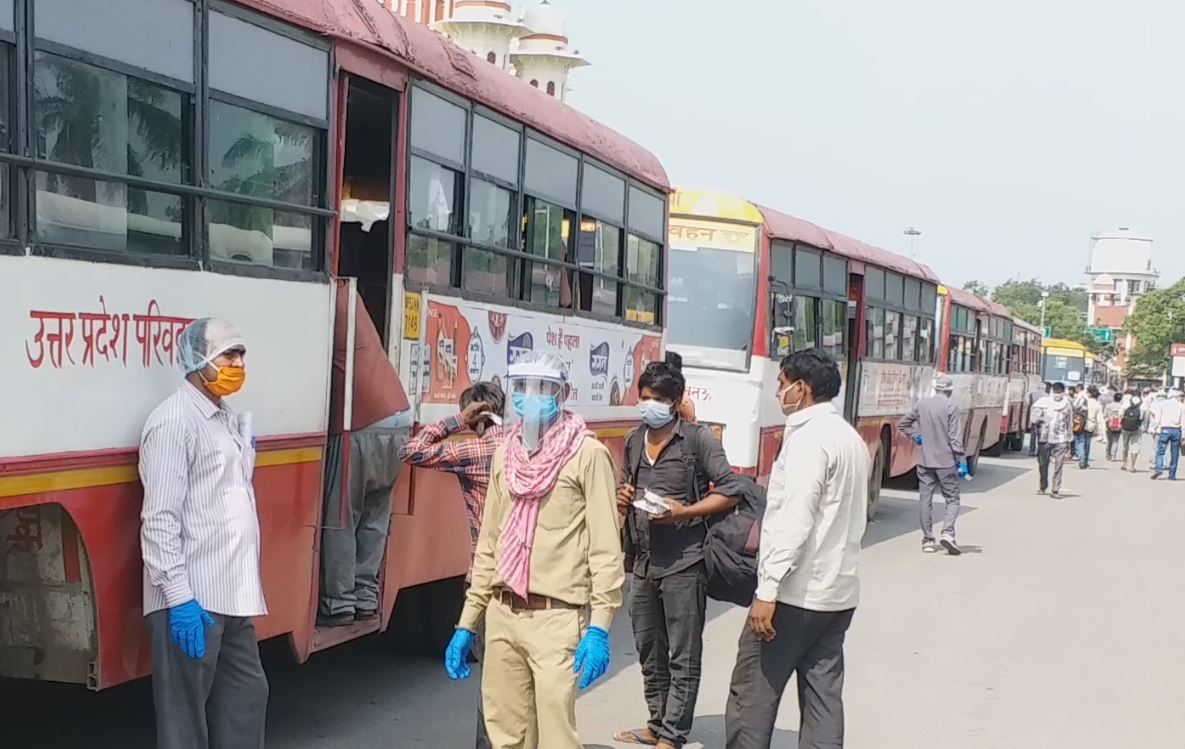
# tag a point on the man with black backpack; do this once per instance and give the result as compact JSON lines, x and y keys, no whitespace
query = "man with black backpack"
{"x":1133,"y":431}
{"x":675,"y":476}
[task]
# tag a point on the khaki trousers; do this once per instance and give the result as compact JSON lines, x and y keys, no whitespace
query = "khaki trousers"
{"x":528,"y":688}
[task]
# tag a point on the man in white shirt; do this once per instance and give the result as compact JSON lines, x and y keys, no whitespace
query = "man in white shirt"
{"x":1170,"y":420}
{"x":807,"y":571}
{"x":199,"y":538}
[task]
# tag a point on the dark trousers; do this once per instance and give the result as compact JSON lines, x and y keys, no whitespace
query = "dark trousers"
{"x":217,"y":702}
{"x":1083,"y":441}
{"x":668,"y":616}
{"x":1034,"y":439}
{"x":1113,"y":439}
{"x":809,"y":643}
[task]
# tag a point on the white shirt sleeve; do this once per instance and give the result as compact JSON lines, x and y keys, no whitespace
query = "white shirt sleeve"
{"x":164,"y":470}
{"x":790,"y":514}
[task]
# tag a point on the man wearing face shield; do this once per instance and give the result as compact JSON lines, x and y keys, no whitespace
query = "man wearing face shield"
{"x":199,"y":539}
{"x":936,"y":427}
{"x":548,"y":572}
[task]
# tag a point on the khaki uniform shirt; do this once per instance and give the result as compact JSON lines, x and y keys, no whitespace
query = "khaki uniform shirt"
{"x":577,"y":555}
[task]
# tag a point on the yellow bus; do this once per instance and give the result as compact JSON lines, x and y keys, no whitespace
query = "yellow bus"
{"x":1065,"y":361}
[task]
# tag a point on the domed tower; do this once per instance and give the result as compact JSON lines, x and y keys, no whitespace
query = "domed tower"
{"x":484,"y":27}
{"x":542,"y":57}
{"x":1120,"y":271}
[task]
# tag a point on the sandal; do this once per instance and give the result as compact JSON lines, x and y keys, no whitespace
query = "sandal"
{"x":637,"y":736}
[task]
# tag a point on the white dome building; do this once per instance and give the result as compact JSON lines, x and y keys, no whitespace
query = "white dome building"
{"x":484,"y":27}
{"x":542,"y":57}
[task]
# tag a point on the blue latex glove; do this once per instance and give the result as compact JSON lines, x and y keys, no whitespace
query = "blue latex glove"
{"x":917,"y":439}
{"x":456,"y":655}
{"x":964,"y":472}
{"x":592,"y":656}
{"x":188,"y":623}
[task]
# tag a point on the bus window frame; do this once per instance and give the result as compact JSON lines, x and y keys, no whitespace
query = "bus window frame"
{"x":818,"y":294}
{"x":194,"y":188}
{"x":517,"y":253}
{"x":903,"y":310}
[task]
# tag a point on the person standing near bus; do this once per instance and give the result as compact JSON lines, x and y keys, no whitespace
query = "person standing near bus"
{"x":354,"y":541}
{"x":808,"y":565}
{"x":1170,"y":421}
{"x":1089,"y":408}
{"x":199,"y":538}
{"x":683,"y":465}
{"x":935,"y":425}
{"x":1034,"y":424}
{"x":1057,"y":434}
{"x":549,"y":569}
{"x":483,"y":405}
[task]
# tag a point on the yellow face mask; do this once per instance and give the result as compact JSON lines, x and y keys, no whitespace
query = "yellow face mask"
{"x":230,"y":380}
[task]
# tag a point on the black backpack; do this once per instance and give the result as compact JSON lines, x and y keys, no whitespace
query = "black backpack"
{"x":731,"y":539}
{"x":1131,"y":418}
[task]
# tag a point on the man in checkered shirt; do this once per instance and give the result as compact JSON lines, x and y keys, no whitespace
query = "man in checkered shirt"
{"x":482,"y":406}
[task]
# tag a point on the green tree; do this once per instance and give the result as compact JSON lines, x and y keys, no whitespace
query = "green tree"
{"x":1157,"y":322}
{"x":1065,"y":307}
{"x":978,"y":288}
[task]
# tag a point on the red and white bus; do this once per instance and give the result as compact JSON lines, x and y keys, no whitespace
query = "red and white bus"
{"x":250,"y":160}
{"x":748,"y":285}
{"x":1024,"y":379}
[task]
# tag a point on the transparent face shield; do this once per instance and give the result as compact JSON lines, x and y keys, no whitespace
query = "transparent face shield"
{"x":536,"y":404}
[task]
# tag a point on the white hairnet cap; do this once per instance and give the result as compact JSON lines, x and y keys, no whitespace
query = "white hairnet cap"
{"x":204,"y":340}
{"x":944,"y":384}
{"x":539,"y":365}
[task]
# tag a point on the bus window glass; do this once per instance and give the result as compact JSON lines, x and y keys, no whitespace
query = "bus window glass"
{"x":550,"y":173}
{"x":437,"y":126}
{"x":835,"y":275}
{"x":433,"y":195}
{"x":782,"y":264}
{"x":5,"y":138}
{"x":894,"y":289}
{"x":642,"y":264}
{"x":495,"y":150}
{"x":834,"y":323}
{"x":926,"y":341}
{"x":101,"y":27}
{"x":712,"y":303}
{"x":647,"y":213}
{"x":548,"y":231}
{"x":913,"y":290}
{"x":490,"y":222}
{"x":874,"y":283}
{"x":602,"y":194}
{"x":909,"y":338}
{"x":598,"y":249}
{"x":875,"y":332}
{"x":806,"y":324}
{"x":929,"y":299}
{"x":892,"y":335}
{"x":130,"y":127}
{"x":808,"y":272}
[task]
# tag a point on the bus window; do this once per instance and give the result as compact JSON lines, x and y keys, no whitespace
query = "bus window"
{"x":909,"y":338}
{"x":712,"y":309}
{"x":806,"y":323}
{"x":834,"y":319}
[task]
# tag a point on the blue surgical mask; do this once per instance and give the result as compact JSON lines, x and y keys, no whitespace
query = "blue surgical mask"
{"x":655,"y":414}
{"x":535,"y":407}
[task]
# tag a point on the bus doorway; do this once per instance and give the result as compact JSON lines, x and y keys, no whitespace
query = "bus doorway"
{"x":367,"y":238}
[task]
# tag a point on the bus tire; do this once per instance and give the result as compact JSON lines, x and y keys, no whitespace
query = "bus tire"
{"x":876,"y":478}
{"x":997,"y":449}
{"x":973,"y":461}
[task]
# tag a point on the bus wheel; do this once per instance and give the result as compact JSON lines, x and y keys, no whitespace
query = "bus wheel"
{"x":973,"y":461}
{"x":876,"y":479}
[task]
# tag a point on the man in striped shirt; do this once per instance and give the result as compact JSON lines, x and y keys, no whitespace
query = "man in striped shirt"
{"x":199,"y":538}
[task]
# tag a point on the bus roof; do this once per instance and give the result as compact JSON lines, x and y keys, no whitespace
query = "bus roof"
{"x":1064,"y":343}
{"x":965,"y":298}
{"x":430,"y":54}
{"x":786,"y":227}
{"x":998,"y":309}
{"x":1027,"y":326}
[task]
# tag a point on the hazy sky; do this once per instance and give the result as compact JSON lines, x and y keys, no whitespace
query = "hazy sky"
{"x":1007,"y":132}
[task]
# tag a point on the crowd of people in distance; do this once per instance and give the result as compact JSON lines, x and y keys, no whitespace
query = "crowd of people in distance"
{"x":1067,"y":421}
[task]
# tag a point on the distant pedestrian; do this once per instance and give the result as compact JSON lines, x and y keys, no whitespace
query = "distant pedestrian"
{"x":1034,"y":423}
{"x":1170,"y":420}
{"x":808,"y":582}
{"x":1057,"y":434}
{"x":935,"y":425}
{"x":1155,"y":403}
{"x":1091,"y":411}
{"x":1113,"y":421}
{"x":199,"y":537}
{"x":1135,"y":419}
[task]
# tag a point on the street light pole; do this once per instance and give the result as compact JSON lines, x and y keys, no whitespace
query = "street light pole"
{"x":1041,"y":304}
{"x":913,"y":234}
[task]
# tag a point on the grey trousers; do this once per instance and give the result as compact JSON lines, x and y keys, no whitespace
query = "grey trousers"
{"x":352,"y":551}
{"x":947,"y":480}
{"x":218,"y":702}
{"x":668,"y":616}
{"x":809,"y":643}
{"x":1051,"y":460}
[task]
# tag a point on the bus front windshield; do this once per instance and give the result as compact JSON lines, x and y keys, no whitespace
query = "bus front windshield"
{"x":712,"y":302}
{"x":1067,"y":369}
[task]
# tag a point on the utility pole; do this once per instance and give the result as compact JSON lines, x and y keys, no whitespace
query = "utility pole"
{"x":1041,"y":304}
{"x":913,"y":234}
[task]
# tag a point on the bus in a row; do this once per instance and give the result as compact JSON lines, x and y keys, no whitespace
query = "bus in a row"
{"x":250,"y":160}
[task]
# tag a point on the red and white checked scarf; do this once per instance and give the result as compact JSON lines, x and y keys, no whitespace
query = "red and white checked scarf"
{"x":530,"y":478}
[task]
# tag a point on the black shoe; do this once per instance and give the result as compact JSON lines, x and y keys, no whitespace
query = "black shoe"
{"x":1155,"y":475}
{"x":335,"y":620}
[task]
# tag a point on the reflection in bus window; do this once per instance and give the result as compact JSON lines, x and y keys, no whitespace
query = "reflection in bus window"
{"x":548,"y":228}
{"x":835,"y":319}
{"x":892,"y":335}
{"x":598,"y":249}
{"x":805,"y":324}
{"x":641,"y":266}
{"x":711,"y":304}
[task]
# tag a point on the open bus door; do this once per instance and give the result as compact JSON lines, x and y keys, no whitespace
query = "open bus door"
{"x":855,"y":346}
{"x":365,"y":261}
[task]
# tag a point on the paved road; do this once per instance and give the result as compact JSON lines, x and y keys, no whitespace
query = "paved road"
{"x":1062,"y":627}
